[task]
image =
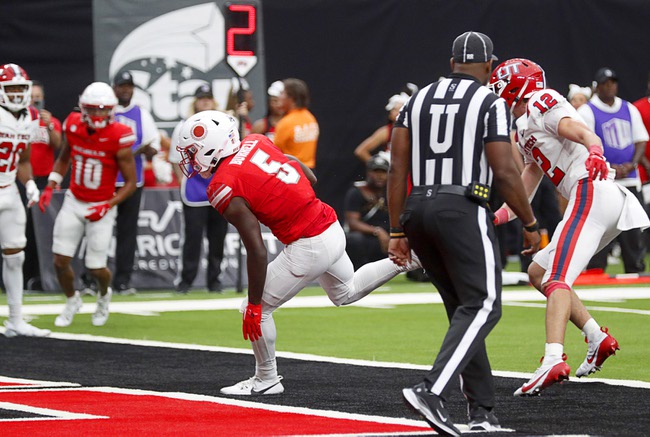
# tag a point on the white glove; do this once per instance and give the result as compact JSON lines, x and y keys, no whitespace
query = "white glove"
{"x":162,"y":169}
{"x":32,"y":192}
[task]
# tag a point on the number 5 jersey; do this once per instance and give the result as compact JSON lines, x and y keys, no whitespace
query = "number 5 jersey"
{"x":93,"y":156}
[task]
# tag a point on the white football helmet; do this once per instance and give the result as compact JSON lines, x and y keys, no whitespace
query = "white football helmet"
{"x":206,"y":138}
{"x":97,"y":104}
{"x":20,"y":96}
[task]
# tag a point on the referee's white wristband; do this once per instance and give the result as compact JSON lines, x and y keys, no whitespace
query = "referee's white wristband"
{"x":55,"y":177}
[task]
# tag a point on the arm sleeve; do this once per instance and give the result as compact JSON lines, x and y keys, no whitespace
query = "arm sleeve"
{"x":150,"y":134}
{"x":497,"y":122}
{"x":639,"y":132}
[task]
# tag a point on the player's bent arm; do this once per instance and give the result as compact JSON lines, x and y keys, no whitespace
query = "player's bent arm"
{"x":311,"y":177}
{"x":378,"y":138}
{"x":61,"y":165}
{"x":578,"y":132}
{"x":126,"y":164}
{"x":241,"y":217}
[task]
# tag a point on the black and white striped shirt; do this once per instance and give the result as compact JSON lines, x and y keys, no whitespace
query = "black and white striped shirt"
{"x":449,"y":122}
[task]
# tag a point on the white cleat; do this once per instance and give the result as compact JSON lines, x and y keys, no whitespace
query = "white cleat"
{"x":100,"y":316}
{"x":545,"y":376}
{"x":72,"y":307}
{"x":254,"y":386}
{"x":24,"y":329}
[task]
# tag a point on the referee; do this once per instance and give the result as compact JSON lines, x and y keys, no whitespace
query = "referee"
{"x":452,"y":140}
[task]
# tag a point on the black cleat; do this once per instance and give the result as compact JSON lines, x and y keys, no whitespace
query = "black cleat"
{"x":430,"y":406}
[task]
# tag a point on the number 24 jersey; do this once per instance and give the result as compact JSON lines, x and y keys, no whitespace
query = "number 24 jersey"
{"x":94,"y":157}
{"x":275,"y":188}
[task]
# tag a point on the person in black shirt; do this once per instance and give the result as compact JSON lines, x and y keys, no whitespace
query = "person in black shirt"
{"x":451,"y":142}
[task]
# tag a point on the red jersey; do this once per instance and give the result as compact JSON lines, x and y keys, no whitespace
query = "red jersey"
{"x":93,"y":155}
{"x":42,"y":155}
{"x":275,"y":188}
{"x":643,"y":105}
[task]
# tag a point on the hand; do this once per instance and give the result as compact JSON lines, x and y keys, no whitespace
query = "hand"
{"x":32,"y":193}
{"x":501,"y":216}
{"x":96,"y":212}
{"x":45,"y":199}
{"x":531,"y":241}
{"x":46,"y":116}
{"x":596,"y":164}
{"x":252,"y":326}
{"x":399,"y":251}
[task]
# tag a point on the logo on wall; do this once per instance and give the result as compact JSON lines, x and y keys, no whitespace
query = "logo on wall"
{"x":174,"y":52}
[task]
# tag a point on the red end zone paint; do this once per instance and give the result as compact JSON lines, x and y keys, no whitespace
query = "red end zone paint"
{"x":150,"y":414}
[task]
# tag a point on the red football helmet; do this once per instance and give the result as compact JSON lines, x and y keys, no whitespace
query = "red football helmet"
{"x":15,"y":88}
{"x":517,"y":79}
{"x":97,"y":104}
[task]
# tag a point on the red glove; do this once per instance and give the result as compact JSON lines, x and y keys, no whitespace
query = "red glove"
{"x":252,"y":327}
{"x":45,"y":199}
{"x":96,"y":212}
{"x":596,"y":164}
{"x":501,"y":216}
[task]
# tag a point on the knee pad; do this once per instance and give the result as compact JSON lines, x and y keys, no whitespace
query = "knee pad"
{"x":550,"y":287}
{"x":14,"y":261}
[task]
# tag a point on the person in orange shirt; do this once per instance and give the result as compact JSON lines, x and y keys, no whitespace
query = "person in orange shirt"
{"x":297,"y":132}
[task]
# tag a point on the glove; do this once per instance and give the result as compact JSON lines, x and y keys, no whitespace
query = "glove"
{"x":596,"y":164}
{"x":32,"y":193}
{"x":252,"y":327}
{"x":501,"y":216}
{"x":96,"y":212}
{"x":44,"y":201}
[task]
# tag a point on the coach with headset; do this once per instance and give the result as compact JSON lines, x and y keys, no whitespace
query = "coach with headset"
{"x":452,"y":140}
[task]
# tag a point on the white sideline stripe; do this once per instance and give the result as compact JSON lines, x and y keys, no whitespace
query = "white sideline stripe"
{"x":35,"y":383}
{"x":318,"y":358}
{"x":55,"y":414}
{"x":376,"y":300}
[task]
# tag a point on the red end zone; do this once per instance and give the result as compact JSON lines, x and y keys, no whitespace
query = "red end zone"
{"x":150,"y":413}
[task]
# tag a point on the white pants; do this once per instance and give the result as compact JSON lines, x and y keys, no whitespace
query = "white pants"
{"x":71,"y":225}
{"x":12,"y":218}
{"x":597,"y":212}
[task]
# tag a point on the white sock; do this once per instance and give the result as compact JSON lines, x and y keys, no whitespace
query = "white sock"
{"x":12,"y":276}
{"x":552,"y":352}
{"x":266,"y":368}
{"x":592,"y":331}
{"x":372,"y":275}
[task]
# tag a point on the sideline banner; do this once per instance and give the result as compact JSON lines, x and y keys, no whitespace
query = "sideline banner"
{"x":158,"y":251}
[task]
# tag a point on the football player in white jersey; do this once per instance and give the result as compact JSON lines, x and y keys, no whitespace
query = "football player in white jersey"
{"x":556,"y":142}
{"x":18,"y":124}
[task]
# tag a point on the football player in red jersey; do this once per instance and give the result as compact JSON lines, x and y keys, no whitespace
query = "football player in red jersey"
{"x":97,"y":147}
{"x":18,"y":126}
{"x":253,"y":182}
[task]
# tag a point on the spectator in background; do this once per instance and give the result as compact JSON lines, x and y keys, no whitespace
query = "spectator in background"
{"x":643,"y":105}
{"x":45,"y":145}
{"x":366,"y":214}
{"x":274,"y":112}
{"x":381,"y":137}
{"x":620,"y":127}
{"x":578,"y":95}
{"x":241,"y":103}
{"x":199,"y":216}
{"x":147,"y":144}
{"x":158,"y":172}
{"x":297,"y":132}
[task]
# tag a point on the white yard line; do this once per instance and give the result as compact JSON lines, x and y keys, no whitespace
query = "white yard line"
{"x":376,"y":300}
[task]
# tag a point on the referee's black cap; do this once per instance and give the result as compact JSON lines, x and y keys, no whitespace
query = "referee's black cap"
{"x":473,"y":47}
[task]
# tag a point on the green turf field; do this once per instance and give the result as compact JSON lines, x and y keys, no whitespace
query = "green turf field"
{"x":402,"y":333}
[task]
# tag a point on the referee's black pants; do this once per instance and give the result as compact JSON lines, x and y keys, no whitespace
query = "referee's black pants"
{"x":126,"y":239}
{"x":456,"y":242}
{"x":197,"y":220}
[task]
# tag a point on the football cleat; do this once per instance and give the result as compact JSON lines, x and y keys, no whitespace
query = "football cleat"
{"x":545,"y":376}
{"x":255,"y":386}
{"x":597,"y":353}
{"x":72,"y":307}
{"x":24,"y":329}
{"x":100,"y":316}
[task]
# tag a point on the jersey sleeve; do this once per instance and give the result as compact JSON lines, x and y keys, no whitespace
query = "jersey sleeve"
{"x":497,"y":123}
{"x":125,"y":136}
{"x":219,"y":194}
{"x":402,"y":117}
{"x":150,"y":134}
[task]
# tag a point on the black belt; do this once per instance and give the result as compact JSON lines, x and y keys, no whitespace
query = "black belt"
{"x":432,"y":190}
